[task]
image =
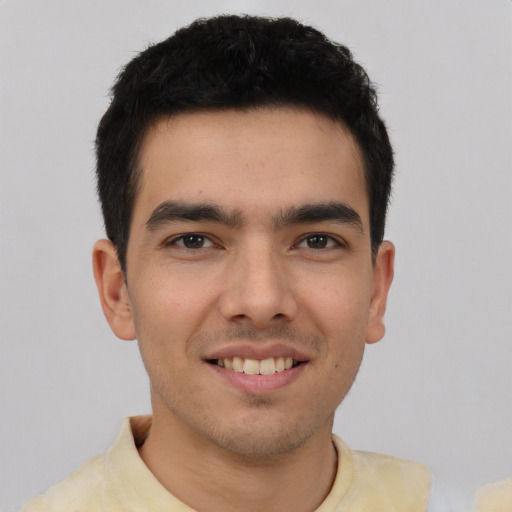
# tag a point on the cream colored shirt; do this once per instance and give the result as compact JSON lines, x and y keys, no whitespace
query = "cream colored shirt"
{"x":495,"y":497}
{"x":120,"y":481}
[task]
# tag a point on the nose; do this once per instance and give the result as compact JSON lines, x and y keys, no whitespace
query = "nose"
{"x":258,"y":291}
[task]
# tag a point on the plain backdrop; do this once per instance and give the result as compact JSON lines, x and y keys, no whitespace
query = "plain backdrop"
{"x":437,"y":389}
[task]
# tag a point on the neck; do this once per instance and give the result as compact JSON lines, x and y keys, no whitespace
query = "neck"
{"x":211,"y":479}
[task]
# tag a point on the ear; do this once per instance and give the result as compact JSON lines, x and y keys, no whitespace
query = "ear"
{"x":114,"y":297}
{"x":382,"y":277}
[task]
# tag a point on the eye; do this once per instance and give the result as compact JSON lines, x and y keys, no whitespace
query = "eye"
{"x":191,"y":241}
{"x":318,"y":241}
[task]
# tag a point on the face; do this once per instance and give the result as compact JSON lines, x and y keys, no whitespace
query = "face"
{"x":250,"y":283}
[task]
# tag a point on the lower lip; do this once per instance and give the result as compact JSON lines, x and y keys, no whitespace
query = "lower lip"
{"x":260,"y":384}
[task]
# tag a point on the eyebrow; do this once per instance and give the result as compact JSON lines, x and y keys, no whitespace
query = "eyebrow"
{"x":169,"y":211}
{"x":319,"y":212}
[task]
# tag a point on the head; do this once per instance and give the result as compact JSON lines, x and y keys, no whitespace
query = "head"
{"x":244,"y":175}
{"x":237,"y":62}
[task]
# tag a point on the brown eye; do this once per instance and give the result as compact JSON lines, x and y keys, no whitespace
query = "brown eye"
{"x":192,"y":241}
{"x":317,"y":241}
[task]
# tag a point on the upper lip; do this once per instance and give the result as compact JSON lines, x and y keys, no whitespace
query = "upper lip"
{"x":258,"y":351}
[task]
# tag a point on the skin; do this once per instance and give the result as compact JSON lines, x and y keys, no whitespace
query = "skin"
{"x":258,"y":280}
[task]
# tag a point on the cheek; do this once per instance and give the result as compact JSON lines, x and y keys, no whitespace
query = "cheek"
{"x":168,"y":309}
{"x":340,"y":309}
{"x":340,"y":312}
{"x":162,"y":296}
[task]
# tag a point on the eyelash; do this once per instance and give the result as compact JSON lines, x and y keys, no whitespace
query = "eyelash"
{"x":182,"y":238}
{"x":329,"y":239}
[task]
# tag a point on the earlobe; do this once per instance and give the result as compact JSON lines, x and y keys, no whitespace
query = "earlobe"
{"x":112,"y":290}
{"x":382,"y":278}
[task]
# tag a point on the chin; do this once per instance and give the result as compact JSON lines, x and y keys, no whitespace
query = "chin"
{"x":256,"y":445}
{"x":257,"y":438}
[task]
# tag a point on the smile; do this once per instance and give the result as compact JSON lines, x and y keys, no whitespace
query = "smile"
{"x":267,"y":366}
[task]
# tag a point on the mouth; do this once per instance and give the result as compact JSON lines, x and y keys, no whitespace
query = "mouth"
{"x":248,"y":366}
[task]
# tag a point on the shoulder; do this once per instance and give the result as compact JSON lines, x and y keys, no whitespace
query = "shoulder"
{"x":391,"y":471}
{"x":494,"y":497}
{"x":80,"y":490}
{"x":103,"y":482}
{"x":383,"y":482}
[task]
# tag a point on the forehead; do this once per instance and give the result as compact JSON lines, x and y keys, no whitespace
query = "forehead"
{"x":251,"y":160}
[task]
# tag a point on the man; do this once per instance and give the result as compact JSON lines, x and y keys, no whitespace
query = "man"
{"x":244,"y":175}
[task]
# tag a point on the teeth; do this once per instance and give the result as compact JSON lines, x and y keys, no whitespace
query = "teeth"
{"x":251,"y":367}
{"x":238,"y":364}
{"x":267,"y":366}
{"x":255,"y":367}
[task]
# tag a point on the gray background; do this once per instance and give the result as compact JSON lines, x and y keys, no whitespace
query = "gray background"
{"x":437,"y":389}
